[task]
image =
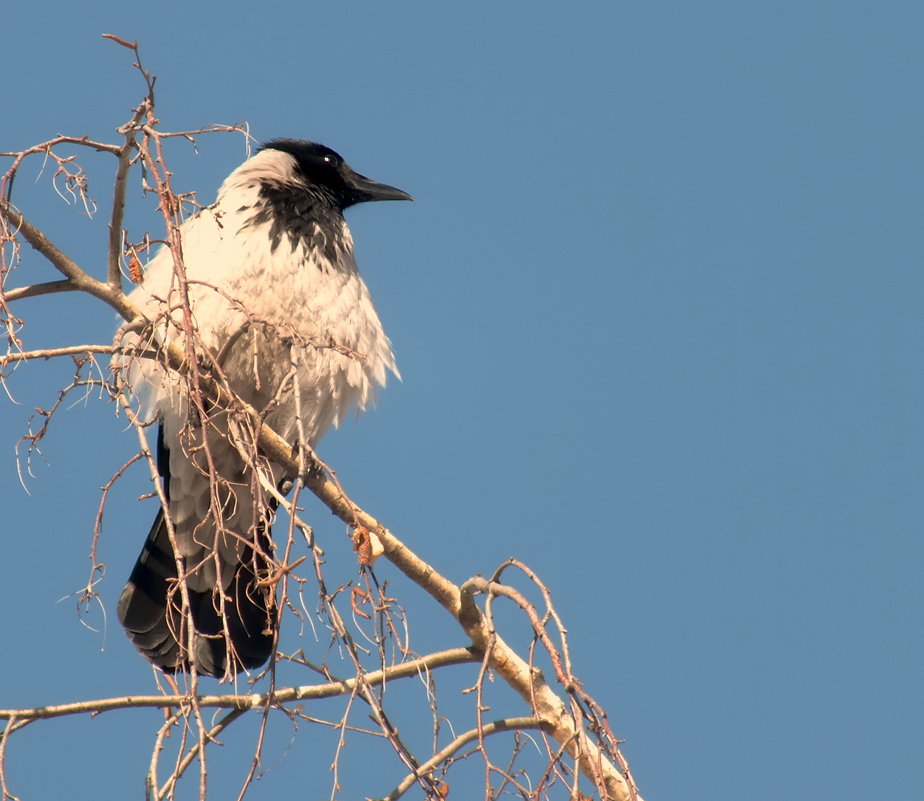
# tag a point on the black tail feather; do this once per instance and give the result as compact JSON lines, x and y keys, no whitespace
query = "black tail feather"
{"x":151,"y":603}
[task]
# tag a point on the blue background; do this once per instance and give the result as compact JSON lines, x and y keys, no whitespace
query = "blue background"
{"x":658,"y":310}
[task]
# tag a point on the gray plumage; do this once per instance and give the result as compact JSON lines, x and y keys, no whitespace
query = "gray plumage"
{"x":277,"y":299}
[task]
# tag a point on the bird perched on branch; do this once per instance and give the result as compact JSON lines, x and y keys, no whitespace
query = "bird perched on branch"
{"x":271,"y":305}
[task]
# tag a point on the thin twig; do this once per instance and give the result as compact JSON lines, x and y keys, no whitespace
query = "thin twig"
{"x":51,"y":353}
{"x":495,"y":727}
{"x":411,"y":668}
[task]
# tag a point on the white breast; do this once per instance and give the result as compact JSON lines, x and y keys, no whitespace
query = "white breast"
{"x":285,"y":312}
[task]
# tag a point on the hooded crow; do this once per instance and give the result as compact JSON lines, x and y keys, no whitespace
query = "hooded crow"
{"x":272,"y":303}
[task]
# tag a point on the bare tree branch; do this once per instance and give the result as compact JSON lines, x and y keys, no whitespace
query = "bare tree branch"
{"x":495,"y":727}
{"x":50,"y":353}
{"x":36,"y":290}
{"x":128,"y":150}
{"x":80,"y":279}
{"x":574,"y":730}
{"x":409,"y":669}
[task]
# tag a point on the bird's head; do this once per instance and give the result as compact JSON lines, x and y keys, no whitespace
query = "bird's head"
{"x":324,"y":169}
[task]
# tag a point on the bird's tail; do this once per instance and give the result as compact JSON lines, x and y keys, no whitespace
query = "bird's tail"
{"x":150,"y":609}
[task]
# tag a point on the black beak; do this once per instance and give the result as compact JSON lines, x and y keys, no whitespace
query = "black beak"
{"x":363,"y":190}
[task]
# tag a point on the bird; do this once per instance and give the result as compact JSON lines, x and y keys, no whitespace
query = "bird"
{"x":283,"y":319}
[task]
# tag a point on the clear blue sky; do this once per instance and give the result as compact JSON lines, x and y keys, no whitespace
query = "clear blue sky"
{"x":658,"y":309}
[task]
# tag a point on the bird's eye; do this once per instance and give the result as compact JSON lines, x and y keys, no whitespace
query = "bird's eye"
{"x":329,"y":160}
